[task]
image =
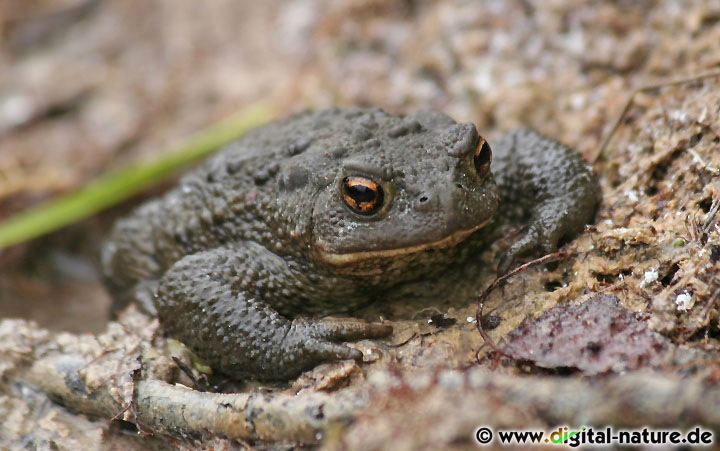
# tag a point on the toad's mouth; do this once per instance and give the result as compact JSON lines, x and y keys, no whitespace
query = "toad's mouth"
{"x":353,"y":258}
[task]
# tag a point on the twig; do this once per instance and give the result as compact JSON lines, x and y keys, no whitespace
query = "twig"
{"x":481,"y":299}
{"x":175,"y":410}
{"x":650,"y":87}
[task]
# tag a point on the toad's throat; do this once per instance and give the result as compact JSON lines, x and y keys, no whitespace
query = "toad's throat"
{"x":350,"y":258}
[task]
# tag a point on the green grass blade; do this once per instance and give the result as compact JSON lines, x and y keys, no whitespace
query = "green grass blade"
{"x":113,"y":188}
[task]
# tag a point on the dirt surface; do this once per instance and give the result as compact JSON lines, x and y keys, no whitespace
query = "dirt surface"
{"x":89,"y":85}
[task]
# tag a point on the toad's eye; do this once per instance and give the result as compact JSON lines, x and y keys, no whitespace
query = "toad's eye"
{"x":483,"y":157}
{"x":362,"y":195}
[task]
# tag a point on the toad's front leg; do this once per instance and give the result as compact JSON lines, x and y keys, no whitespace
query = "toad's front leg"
{"x":218,"y":303}
{"x":547,"y":184}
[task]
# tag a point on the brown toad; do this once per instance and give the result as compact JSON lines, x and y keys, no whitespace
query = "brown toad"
{"x":323,"y":213}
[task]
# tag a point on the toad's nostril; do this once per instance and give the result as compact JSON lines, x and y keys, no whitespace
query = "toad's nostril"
{"x":425,"y":201}
{"x":460,"y":186}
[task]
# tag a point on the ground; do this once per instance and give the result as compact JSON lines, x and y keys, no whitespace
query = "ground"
{"x":90,"y":85}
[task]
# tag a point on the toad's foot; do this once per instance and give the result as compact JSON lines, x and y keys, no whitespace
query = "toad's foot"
{"x":311,"y":342}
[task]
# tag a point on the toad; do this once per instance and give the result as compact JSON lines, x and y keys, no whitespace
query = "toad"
{"x":324,"y":212}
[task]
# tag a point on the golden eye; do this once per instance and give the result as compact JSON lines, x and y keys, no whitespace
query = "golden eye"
{"x":362,"y":195}
{"x":483,"y":156}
